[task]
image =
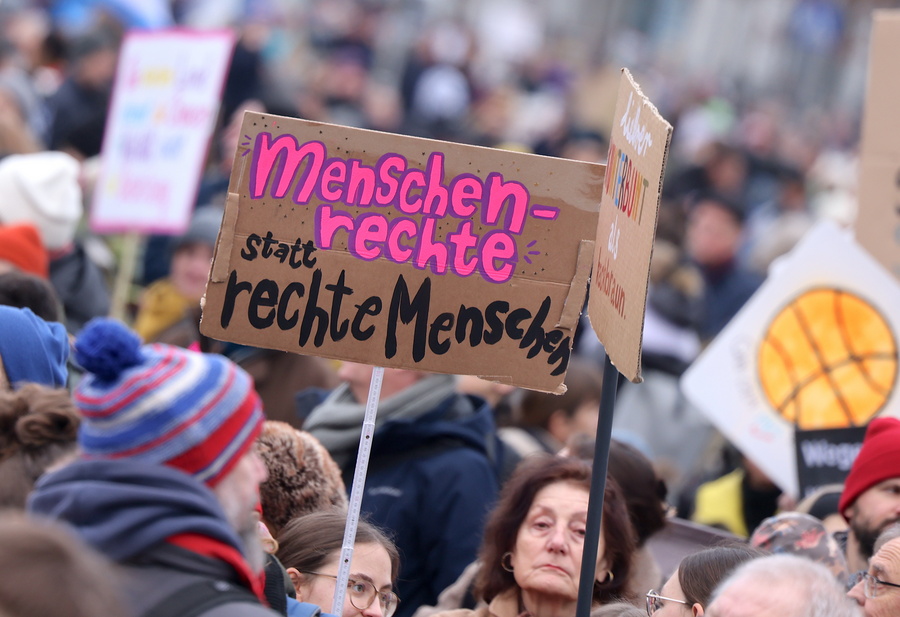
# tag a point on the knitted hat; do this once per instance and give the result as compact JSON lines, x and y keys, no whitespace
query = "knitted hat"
{"x":303,"y":478}
{"x":42,"y":189}
{"x":878,"y":460}
{"x":31,"y":349}
{"x":21,"y":246}
{"x":161,"y":404}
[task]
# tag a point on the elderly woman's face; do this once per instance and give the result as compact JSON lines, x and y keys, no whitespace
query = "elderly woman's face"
{"x":546,"y":559}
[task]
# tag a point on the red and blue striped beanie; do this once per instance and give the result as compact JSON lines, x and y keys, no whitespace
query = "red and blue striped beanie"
{"x":162,"y":404}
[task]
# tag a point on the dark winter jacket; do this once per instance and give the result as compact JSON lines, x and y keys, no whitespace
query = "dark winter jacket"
{"x":431,"y":481}
{"x":130,"y":512}
{"x":727,"y":290}
{"x":80,"y":286}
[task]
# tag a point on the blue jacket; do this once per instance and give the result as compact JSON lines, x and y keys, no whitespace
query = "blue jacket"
{"x":432,"y":481}
{"x":727,"y":290}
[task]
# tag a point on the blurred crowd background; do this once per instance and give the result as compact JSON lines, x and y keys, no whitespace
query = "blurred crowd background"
{"x":766,"y":98}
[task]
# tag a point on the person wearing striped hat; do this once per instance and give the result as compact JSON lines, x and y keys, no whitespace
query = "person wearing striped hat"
{"x":167,"y":481}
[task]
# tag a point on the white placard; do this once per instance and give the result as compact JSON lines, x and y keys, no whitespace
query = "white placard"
{"x":165,"y":99}
{"x":816,"y":346}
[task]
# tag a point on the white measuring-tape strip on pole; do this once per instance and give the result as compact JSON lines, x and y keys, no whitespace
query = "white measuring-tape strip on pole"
{"x":356,"y":491}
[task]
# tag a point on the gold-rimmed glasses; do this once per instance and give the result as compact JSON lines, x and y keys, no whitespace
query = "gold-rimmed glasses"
{"x":363,"y":593}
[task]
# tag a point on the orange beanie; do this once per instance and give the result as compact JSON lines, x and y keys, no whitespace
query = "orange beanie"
{"x":21,"y":246}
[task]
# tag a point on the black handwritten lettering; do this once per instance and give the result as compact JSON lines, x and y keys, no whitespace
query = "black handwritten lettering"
{"x":535,"y":334}
{"x":314,"y":313}
{"x":231,"y":293}
{"x":308,"y":249}
{"x":560,"y":355}
{"x":284,"y":322}
{"x":406,"y":310}
{"x":250,"y":253}
{"x":268,"y":241}
{"x":265,"y":295}
{"x":495,"y":324}
{"x":282,"y":252}
{"x":295,"y":261}
{"x":370,"y":306}
{"x":470,"y":315}
{"x":442,"y":323}
{"x":296,"y":255}
{"x":318,"y":318}
{"x":552,"y":339}
{"x":516,"y":317}
{"x":339,"y":290}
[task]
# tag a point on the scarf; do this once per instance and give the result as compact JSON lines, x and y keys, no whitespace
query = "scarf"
{"x":337,"y":422}
{"x":123,"y":508}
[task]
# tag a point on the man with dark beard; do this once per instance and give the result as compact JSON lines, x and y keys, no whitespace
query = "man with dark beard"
{"x":167,"y":483}
{"x":871,"y":498}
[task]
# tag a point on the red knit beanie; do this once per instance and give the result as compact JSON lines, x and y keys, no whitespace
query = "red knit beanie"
{"x":21,"y":246}
{"x":878,"y":460}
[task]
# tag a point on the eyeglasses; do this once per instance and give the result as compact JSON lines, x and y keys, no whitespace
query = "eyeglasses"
{"x":655,"y":601}
{"x":873,"y":585}
{"x":363,"y":593}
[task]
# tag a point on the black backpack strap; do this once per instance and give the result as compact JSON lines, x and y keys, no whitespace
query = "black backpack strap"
{"x":198,"y":597}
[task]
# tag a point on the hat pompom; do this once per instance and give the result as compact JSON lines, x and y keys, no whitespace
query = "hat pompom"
{"x":106,"y":348}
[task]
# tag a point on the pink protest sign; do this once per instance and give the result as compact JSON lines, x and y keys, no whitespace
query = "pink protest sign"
{"x":165,"y":100}
{"x":403,"y":252}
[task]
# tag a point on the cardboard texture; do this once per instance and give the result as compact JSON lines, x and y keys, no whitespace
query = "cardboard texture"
{"x":165,"y":99}
{"x":878,"y":220}
{"x":403,"y":252}
{"x":815,"y":348}
{"x":626,"y":228}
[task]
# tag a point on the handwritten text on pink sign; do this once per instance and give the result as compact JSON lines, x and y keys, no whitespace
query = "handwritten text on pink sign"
{"x":391,"y":182}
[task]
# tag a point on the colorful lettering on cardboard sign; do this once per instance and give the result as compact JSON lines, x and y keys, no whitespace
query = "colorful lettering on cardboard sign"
{"x":422,"y":196}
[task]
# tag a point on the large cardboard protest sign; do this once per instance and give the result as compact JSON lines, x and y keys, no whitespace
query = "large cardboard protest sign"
{"x":403,"y":252}
{"x":165,"y":100}
{"x":878,"y":221}
{"x":815,"y":348}
{"x":639,"y":146}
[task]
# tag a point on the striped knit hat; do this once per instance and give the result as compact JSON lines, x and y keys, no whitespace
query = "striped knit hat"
{"x":161,"y":404}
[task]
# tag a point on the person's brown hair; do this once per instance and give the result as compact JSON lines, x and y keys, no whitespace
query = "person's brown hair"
{"x":583,"y":383}
{"x":644,"y":492}
{"x":302,"y":476}
{"x":46,"y":568}
{"x":700,"y":573}
{"x":22,"y":290}
{"x":307,"y":542}
{"x":38,"y":427}
{"x":500,"y":532}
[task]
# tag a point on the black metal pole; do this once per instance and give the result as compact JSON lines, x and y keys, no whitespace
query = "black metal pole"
{"x":598,"y":487}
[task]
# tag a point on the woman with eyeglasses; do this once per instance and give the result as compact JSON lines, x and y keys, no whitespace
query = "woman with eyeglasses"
{"x":310,"y":549}
{"x":689,"y":590}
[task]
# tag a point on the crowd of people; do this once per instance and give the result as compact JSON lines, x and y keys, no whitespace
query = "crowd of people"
{"x":157,"y":486}
{"x":146,"y":469}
